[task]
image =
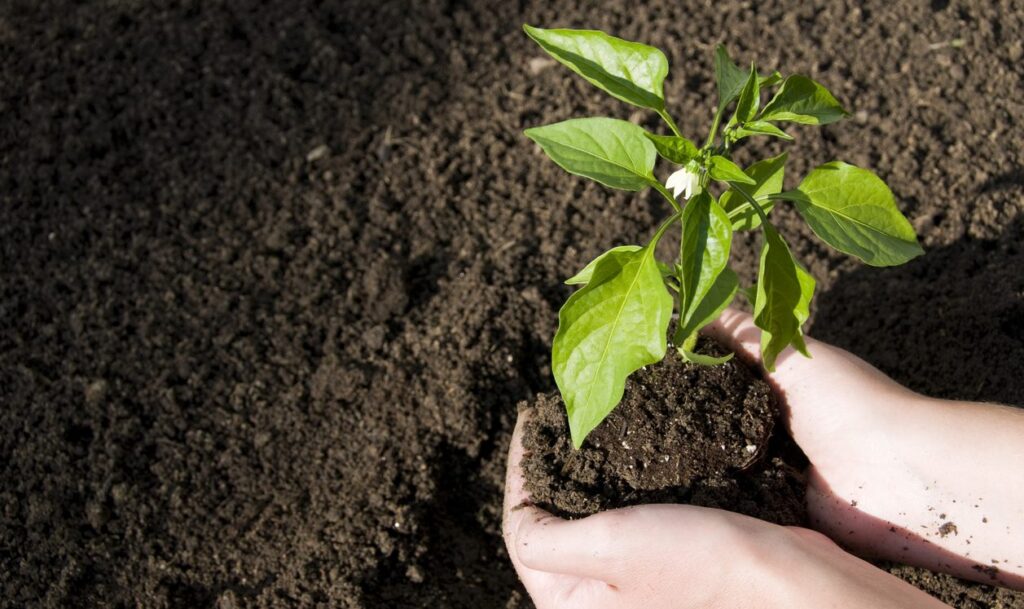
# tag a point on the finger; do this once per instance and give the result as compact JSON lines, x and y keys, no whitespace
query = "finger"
{"x":821,"y":397}
{"x":736,"y":330}
{"x":540,"y":541}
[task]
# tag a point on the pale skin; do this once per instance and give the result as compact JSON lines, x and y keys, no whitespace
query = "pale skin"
{"x":889,"y":469}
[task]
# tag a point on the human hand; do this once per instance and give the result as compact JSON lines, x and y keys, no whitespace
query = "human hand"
{"x":895,"y":474}
{"x":681,"y":556}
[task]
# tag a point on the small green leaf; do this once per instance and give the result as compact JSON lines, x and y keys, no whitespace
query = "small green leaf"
{"x":750,"y":293}
{"x":614,"y":152}
{"x":728,"y":76}
{"x":724,"y":170}
{"x":703,"y":255}
{"x":767,"y":175}
{"x":630,"y":71}
{"x":674,"y":148}
{"x":583,"y":277}
{"x":770,"y":80}
{"x":760,"y":128}
{"x":731,"y":79}
{"x":801,"y":100}
{"x":853,"y":210}
{"x":782,"y":304}
{"x":606,"y":331}
{"x":704,"y":360}
{"x":749,"y":100}
{"x":722,"y":292}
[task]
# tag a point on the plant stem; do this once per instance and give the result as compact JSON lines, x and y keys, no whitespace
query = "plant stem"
{"x":661,"y":229}
{"x":671,"y":123}
{"x":753,"y":203}
{"x":714,"y":127}
{"x":665,"y":193}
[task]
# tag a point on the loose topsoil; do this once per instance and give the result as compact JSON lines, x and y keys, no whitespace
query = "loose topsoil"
{"x":274,"y":275}
{"x":683,"y":433}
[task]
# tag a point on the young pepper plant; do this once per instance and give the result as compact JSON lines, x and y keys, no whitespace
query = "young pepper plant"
{"x":617,"y":322}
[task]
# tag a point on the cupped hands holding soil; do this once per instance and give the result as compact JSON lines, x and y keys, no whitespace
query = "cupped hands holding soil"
{"x":683,"y":433}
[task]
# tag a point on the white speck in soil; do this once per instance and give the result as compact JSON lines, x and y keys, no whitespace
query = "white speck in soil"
{"x":317,"y":153}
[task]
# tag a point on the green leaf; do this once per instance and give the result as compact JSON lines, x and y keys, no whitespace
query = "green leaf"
{"x":731,"y":79}
{"x":782,"y":305}
{"x":606,"y":331}
{"x":728,"y":76}
{"x":750,"y":293}
{"x":583,"y":277}
{"x":749,"y":100}
{"x":703,"y":360}
{"x":853,"y":210}
{"x":770,"y":80}
{"x":703,"y":255}
{"x":767,"y":175}
{"x":801,"y":100}
{"x":614,"y":152}
{"x":759,"y":128}
{"x":722,"y":292}
{"x":630,"y":71}
{"x":724,"y":170}
{"x":674,"y":148}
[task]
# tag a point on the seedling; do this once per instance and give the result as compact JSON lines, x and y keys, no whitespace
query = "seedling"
{"x":618,"y":320}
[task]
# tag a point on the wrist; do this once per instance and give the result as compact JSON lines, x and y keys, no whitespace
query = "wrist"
{"x":812,"y":571}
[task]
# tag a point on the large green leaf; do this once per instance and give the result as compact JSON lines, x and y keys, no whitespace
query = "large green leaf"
{"x":607,"y":330}
{"x":853,"y":210}
{"x":674,"y":148}
{"x":767,"y":175}
{"x":703,"y":255}
{"x":630,"y":71}
{"x":802,"y":100}
{"x":782,"y":305}
{"x":614,"y":152}
{"x":724,"y":170}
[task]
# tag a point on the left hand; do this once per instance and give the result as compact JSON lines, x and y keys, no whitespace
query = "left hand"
{"x":681,"y":556}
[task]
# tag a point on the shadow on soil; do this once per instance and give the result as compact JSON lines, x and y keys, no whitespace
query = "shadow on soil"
{"x":949,"y":324}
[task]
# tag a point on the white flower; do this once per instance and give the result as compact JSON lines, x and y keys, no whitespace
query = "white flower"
{"x":684,"y":182}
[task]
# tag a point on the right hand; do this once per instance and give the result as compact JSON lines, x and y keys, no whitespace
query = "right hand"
{"x":890,"y":467}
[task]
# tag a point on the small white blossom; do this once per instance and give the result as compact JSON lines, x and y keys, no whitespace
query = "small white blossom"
{"x":685,"y":182}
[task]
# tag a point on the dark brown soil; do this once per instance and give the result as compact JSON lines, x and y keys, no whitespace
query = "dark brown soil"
{"x":274,"y":275}
{"x":682,"y":434}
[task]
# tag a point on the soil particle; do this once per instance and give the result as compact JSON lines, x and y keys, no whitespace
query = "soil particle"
{"x":947,"y":528}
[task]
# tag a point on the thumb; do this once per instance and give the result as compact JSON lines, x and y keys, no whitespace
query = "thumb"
{"x":832,"y":380}
{"x":539,"y":541}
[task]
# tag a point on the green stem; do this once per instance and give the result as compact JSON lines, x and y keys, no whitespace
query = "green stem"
{"x":661,"y":229}
{"x":789,"y":195}
{"x":671,"y":123}
{"x":665,"y":193}
{"x":714,"y":127}
{"x":753,"y":203}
